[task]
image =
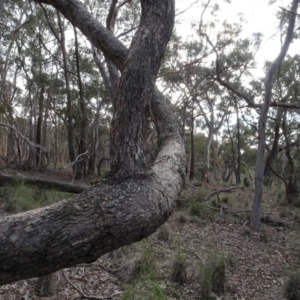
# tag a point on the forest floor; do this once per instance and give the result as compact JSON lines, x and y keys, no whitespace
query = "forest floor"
{"x":181,"y":259}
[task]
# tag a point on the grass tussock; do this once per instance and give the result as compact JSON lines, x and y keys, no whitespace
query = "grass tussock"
{"x":179,"y":269}
{"x":199,"y":210}
{"x":137,"y":264}
{"x":292,"y":286}
{"x":140,"y":275}
{"x":163,"y":234}
{"x":212,"y":275}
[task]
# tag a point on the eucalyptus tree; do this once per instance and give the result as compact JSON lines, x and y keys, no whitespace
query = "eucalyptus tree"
{"x":245,"y":93}
{"x":136,"y":199}
{"x":282,"y":155}
{"x":268,"y":82}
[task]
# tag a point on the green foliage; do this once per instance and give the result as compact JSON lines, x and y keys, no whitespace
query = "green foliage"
{"x":292,"y":286}
{"x":19,"y":198}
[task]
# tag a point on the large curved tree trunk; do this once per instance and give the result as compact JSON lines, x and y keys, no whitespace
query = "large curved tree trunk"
{"x":127,"y":208}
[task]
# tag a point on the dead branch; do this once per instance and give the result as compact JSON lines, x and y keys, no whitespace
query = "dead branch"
{"x":224,"y":190}
{"x":76,"y":159}
{"x":30,"y":143}
{"x":83,"y":296}
{"x":289,"y":11}
{"x":183,"y":11}
{"x":123,"y":3}
{"x":42,"y":184}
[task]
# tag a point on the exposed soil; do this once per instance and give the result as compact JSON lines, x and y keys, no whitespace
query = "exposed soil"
{"x":257,"y":262}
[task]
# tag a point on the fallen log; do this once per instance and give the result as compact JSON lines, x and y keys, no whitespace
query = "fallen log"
{"x":42,"y":184}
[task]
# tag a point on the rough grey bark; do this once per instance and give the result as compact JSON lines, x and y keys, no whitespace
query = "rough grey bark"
{"x":107,"y":216}
{"x":136,"y":87}
{"x":268,"y":82}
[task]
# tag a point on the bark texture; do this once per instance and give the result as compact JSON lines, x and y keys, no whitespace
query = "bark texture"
{"x":117,"y":213}
{"x":137,"y":84}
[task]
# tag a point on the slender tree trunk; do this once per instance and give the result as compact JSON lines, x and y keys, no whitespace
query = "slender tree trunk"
{"x":192,"y":158}
{"x":207,"y":149}
{"x":76,"y":166}
{"x":239,"y":157}
{"x":82,"y":104}
{"x":255,"y":216}
{"x":46,"y":130}
{"x":38,"y":137}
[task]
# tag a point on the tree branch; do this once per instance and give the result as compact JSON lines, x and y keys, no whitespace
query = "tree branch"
{"x":30,"y":143}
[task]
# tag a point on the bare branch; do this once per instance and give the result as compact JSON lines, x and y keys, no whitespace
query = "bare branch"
{"x":122,"y":4}
{"x":182,"y":67}
{"x":222,"y":191}
{"x":112,"y":15}
{"x":202,"y":14}
{"x":183,"y":11}
{"x":289,"y":11}
{"x":30,"y":143}
{"x":126,"y":32}
{"x":227,"y":85}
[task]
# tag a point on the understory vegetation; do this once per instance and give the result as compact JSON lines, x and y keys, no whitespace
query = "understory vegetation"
{"x":205,"y":251}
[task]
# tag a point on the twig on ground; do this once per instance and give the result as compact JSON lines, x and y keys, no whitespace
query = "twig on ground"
{"x":110,"y":270}
{"x":83,"y":296}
